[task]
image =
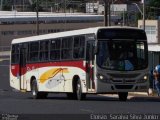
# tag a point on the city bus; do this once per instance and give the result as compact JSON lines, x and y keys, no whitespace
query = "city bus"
{"x":96,"y":60}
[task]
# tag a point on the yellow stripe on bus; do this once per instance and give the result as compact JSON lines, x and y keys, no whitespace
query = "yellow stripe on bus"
{"x":51,"y":73}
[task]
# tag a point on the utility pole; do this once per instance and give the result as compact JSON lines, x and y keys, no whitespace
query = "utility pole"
{"x":37,"y":20}
{"x":1,"y":5}
{"x":23,"y":6}
{"x":64,"y":6}
{"x":123,"y":17}
{"x":144,"y":14}
{"x":109,"y":13}
{"x":105,"y":12}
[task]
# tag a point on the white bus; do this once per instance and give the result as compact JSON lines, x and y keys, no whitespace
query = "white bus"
{"x":93,"y":60}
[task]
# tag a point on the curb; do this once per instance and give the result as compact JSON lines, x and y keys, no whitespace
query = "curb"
{"x":139,"y":93}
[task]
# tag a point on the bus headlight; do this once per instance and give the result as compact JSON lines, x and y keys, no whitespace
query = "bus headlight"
{"x":103,"y":78}
{"x":99,"y":76}
{"x":145,"y":77}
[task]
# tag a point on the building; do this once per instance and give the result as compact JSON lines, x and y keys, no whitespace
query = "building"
{"x":152,"y":29}
{"x":126,"y":10}
{"x":22,"y":24}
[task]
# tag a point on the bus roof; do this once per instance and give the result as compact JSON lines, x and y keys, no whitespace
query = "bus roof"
{"x":92,"y":30}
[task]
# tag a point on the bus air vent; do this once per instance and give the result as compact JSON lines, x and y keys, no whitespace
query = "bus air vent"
{"x":124,"y":86}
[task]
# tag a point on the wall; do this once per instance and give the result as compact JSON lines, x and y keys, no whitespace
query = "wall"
{"x":24,"y":30}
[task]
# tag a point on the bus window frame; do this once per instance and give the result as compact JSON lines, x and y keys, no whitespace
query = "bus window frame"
{"x":29,"y":51}
{"x":43,"y":51}
{"x":18,"y":54}
{"x":68,"y":48}
{"x":56,"y":39}
{"x":79,"y":46}
{"x":28,"y":61}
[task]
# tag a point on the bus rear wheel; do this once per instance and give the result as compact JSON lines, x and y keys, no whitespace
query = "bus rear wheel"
{"x":35,"y":93}
{"x":123,"y":96}
{"x":79,"y":94}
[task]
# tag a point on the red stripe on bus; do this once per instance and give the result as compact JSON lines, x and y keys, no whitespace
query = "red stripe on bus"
{"x":16,"y":70}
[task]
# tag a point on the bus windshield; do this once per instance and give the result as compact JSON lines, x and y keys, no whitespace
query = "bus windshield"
{"x":122,"y":55}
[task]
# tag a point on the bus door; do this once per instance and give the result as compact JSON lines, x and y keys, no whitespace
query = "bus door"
{"x":90,"y":65}
{"x":22,"y":69}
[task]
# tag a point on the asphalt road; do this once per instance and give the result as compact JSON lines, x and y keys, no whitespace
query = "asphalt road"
{"x":22,"y":106}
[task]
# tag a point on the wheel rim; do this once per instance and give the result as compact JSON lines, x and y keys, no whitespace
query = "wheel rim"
{"x":34,"y":91}
{"x":78,"y":90}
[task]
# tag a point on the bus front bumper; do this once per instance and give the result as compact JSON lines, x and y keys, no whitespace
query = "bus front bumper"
{"x":102,"y":87}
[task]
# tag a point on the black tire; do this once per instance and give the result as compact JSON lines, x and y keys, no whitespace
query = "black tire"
{"x":71,"y":96}
{"x":123,"y":96}
{"x":35,"y":93}
{"x":43,"y":95}
{"x":79,"y":94}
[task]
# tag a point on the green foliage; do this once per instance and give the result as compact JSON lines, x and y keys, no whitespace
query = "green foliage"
{"x":7,"y":5}
{"x":33,"y":6}
{"x":154,"y":3}
{"x":153,"y":10}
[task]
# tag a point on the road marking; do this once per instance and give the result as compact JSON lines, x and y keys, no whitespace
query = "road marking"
{"x":87,"y":110}
{"x":115,"y":95}
{"x":14,"y":90}
{"x":3,"y":90}
{"x":4,"y":65}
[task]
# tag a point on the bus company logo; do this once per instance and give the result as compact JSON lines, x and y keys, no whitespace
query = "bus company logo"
{"x":29,"y":69}
{"x":13,"y":67}
{"x":9,"y":117}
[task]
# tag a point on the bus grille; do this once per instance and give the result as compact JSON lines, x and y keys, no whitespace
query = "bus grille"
{"x":124,"y":78}
{"x":124,"y":86}
{"x":124,"y":75}
{"x":124,"y":81}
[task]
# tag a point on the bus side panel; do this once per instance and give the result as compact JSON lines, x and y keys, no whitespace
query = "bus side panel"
{"x":56,"y":76}
{"x":68,"y":77}
{"x":14,"y":77}
{"x":48,"y":75}
{"x":32,"y":72}
{"x":59,"y":79}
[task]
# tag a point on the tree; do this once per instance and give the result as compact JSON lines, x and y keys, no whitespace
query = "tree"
{"x":154,"y":3}
{"x":34,"y":4}
{"x":7,"y":5}
{"x":154,"y":8}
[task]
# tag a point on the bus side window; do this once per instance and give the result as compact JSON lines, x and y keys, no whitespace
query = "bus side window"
{"x":33,"y":51}
{"x":67,"y":51}
{"x":15,"y":54}
{"x":44,"y":49}
{"x":79,"y":43}
{"x":55,"y":49}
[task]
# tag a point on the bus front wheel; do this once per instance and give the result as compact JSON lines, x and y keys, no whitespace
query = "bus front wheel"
{"x":79,"y":94}
{"x":123,"y":96}
{"x":35,"y":93}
